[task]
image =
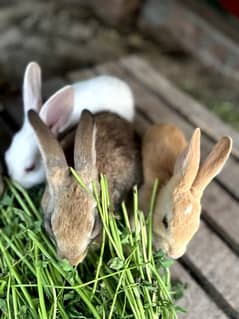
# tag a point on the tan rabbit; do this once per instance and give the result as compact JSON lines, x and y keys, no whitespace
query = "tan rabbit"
{"x":177,"y":209}
{"x":104,"y":143}
{"x":159,"y":158}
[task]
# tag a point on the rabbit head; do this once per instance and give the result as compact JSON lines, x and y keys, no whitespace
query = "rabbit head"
{"x":70,"y":212}
{"x":178,"y":205}
{"x":23,"y":158}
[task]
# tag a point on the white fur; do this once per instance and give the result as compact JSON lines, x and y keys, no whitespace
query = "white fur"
{"x":102,"y":93}
{"x":188,"y":209}
{"x":22,"y":153}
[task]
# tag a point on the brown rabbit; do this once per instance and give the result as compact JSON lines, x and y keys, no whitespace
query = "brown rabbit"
{"x":104,"y":143}
{"x":177,"y":209}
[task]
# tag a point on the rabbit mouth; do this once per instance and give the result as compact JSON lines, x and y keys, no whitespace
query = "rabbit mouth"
{"x":176,"y":254}
{"x":74,"y":261}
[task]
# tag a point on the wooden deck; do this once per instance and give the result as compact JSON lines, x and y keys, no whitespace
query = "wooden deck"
{"x":210,"y":268}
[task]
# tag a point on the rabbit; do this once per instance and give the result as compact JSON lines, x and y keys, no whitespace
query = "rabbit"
{"x":59,"y":112}
{"x":161,"y":145}
{"x":104,"y":143}
{"x":167,"y":156}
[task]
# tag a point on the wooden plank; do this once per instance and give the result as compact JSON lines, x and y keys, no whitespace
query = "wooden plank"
{"x":158,"y":111}
{"x":192,"y":110}
{"x":222,"y":212}
{"x":195,"y":300}
{"x":215,"y":261}
{"x":80,"y":75}
{"x":227,"y":27}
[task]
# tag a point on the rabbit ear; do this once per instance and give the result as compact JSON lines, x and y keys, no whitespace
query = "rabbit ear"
{"x":187,"y":163}
{"x":51,"y":151}
{"x":32,"y":88}
{"x":58,"y":108}
{"x":84,"y":149}
{"x":213,"y":164}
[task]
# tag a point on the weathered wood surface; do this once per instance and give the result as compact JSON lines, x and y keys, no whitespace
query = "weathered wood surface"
{"x":211,"y":264}
{"x":186,"y":106}
{"x":195,"y":299}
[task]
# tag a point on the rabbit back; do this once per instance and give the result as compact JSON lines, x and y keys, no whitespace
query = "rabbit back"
{"x":118,"y":154}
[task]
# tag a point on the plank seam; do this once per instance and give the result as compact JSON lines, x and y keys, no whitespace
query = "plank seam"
{"x":220,"y":232}
{"x":209,"y":288}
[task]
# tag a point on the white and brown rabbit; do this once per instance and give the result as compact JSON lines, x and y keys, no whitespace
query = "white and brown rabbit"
{"x":104,"y":143}
{"x":167,"y":156}
{"x":60,"y":112}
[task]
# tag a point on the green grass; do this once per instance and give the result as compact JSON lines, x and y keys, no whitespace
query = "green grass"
{"x":124,"y":278}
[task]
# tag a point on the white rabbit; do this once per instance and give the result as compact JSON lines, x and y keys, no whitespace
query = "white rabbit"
{"x":59,"y":112}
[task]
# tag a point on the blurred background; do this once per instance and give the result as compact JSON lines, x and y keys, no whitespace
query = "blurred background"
{"x":193,"y":43}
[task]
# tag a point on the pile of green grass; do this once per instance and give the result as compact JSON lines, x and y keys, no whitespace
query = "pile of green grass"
{"x":124,"y":278}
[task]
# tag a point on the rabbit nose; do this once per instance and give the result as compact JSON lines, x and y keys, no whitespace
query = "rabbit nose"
{"x":175,"y":254}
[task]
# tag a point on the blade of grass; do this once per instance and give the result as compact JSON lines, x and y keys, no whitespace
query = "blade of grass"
{"x":39,"y":286}
{"x":14,"y":302}
{"x":150,"y":221}
{"x":8,"y":298}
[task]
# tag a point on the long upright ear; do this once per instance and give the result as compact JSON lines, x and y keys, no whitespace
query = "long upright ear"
{"x":58,"y":108}
{"x":51,"y":151}
{"x":187,"y":163}
{"x":84,"y":149}
{"x":32,"y":88}
{"x":213,"y":164}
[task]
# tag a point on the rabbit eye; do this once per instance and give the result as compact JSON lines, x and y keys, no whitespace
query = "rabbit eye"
{"x":165,"y":222}
{"x":30,"y":168}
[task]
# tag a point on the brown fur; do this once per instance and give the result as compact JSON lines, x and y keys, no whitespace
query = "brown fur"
{"x":118,"y":157}
{"x":70,"y":211}
{"x":162,"y":143}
